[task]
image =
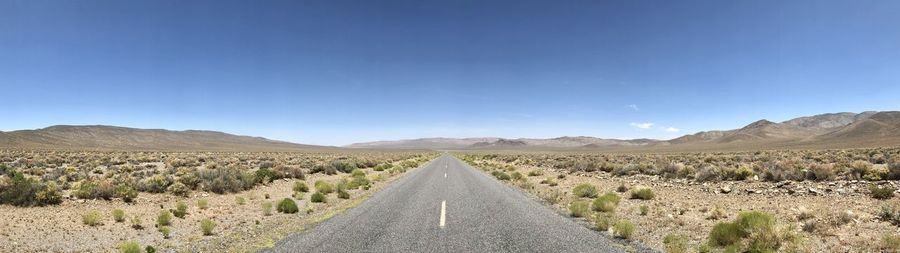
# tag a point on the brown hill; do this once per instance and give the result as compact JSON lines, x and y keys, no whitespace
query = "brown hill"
{"x":122,"y":138}
{"x":881,"y":127}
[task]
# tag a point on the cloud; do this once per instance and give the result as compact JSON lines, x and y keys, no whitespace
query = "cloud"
{"x":641,"y":125}
{"x":633,"y":107}
{"x":671,"y":130}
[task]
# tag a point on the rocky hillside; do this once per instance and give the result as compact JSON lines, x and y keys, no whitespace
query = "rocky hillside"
{"x":122,"y":138}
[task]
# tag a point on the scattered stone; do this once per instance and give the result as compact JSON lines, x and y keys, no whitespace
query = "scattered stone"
{"x":725,"y":189}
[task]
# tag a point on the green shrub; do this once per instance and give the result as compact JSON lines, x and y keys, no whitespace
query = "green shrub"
{"x":606,"y":203}
{"x":580,"y":209}
{"x":136,"y":222}
{"x":501,"y":175}
{"x":178,"y":189}
{"x":267,"y":208}
{"x":343,"y":194}
{"x":324,"y":187}
{"x":535,"y":173}
{"x":604,"y":221}
{"x":207,"y":226}
{"x":517,"y":176}
{"x":165,"y":231}
{"x":300,"y":186}
{"x":129,"y":247}
{"x":118,"y":215}
{"x":890,"y":243}
{"x":318,"y":197}
{"x":23,"y":191}
{"x":91,"y":218}
{"x":126,"y":192}
{"x":287,"y":205}
{"x":240,"y":200}
{"x":885,"y":192}
{"x":226,"y":180}
{"x":265,"y":175}
{"x":164,"y":218}
{"x":203,"y":204}
{"x":150,"y":249}
{"x":725,"y":234}
{"x":585,"y":191}
{"x":623,"y":229}
{"x":642,"y":193}
{"x":675,"y":243}
{"x":181,"y":209}
{"x":644,"y":210}
{"x":383,"y":167}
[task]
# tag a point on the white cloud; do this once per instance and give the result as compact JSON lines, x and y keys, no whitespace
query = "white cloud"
{"x":641,"y":125}
{"x":633,"y":107}
{"x":671,"y":130}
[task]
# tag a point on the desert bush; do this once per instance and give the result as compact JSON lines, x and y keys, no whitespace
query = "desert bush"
{"x":324,"y":187}
{"x":126,"y":192}
{"x":501,"y":175}
{"x":207,"y":226}
{"x":604,"y":221}
{"x":136,"y":222}
{"x":644,"y":209}
{"x":535,"y":173}
{"x":226,"y":180}
{"x":164,"y":218}
{"x":91,"y":218}
{"x":102,"y":189}
{"x":383,"y":167}
{"x":129,"y":247}
{"x":318,"y":197}
{"x":343,"y":165}
{"x":675,"y":243}
{"x":178,"y":189}
{"x":181,"y":209}
{"x":627,"y":170}
{"x":240,"y":200}
{"x":820,"y":172}
{"x":859,"y":169}
{"x":642,"y":193}
{"x":267,"y":208}
{"x":265,"y":175}
{"x":118,"y":215}
{"x":343,"y":194}
{"x":708,"y":173}
{"x":742,"y":172}
{"x":165,"y":231}
{"x":623,"y":229}
{"x":19,"y":190}
{"x":517,"y":176}
{"x":300,"y":186}
{"x":150,"y":249}
{"x":757,"y":228}
{"x":881,"y":192}
{"x":580,"y":209}
{"x":606,"y":203}
{"x":155,"y":184}
{"x":725,"y":234}
{"x":890,"y":214}
{"x":890,"y":243}
{"x":585,"y":191}
{"x":203,"y":204}
{"x":287,"y":205}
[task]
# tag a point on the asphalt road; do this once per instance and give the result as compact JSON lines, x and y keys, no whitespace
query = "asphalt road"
{"x":447,"y":206}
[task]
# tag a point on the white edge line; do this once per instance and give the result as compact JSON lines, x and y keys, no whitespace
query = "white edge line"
{"x":443,"y":212}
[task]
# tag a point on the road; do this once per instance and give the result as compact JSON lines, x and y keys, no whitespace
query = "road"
{"x":448,"y":206}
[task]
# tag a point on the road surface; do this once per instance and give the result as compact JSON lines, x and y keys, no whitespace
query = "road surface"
{"x":448,"y":206}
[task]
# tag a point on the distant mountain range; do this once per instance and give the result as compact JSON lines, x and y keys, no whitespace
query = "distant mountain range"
{"x":832,"y":130}
{"x":122,"y":138}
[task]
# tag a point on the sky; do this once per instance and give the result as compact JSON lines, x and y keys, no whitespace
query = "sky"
{"x":337,"y":72}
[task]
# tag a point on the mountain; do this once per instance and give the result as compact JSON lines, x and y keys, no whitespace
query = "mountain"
{"x":122,"y":138}
{"x":830,"y":130}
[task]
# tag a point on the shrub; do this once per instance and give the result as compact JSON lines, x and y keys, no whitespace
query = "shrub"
{"x":282,"y":171}
{"x":91,"y":218}
{"x":885,"y":192}
{"x":287,"y":205}
{"x":181,"y":209}
{"x":164,"y":218}
{"x":623,"y":229}
{"x":343,"y":165}
{"x":129,"y":247}
{"x":890,"y":214}
{"x":579,"y":209}
{"x":890,"y":243}
{"x":585,"y":191}
{"x":501,"y":175}
{"x":136,"y":222}
{"x":178,"y":189}
{"x":165,"y":231}
{"x":517,"y":176}
{"x":265,"y":175}
{"x":606,"y":203}
{"x":383,"y":167}
{"x":207,"y":226}
{"x":741,"y":173}
{"x":603,"y":221}
{"x":725,"y":234}
{"x":318,"y":197}
{"x":644,"y":210}
{"x":324,"y":187}
{"x":535,"y":173}
{"x":642,"y":193}
{"x":708,"y":173}
{"x":22,"y":191}
{"x":126,"y":192}
{"x":203,"y":204}
{"x":300,"y":186}
{"x":267,"y":208}
{"x":675,"y":243}
{"x":240,"y":200}
{"x":226,"y":180}
{"x":343,"y":194}
{"x":118,"y":215}
{"x":150,"y":249}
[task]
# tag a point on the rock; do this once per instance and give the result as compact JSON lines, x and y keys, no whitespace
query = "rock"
{"x":725,"y":189}
{"x":755,"y":177}
{"x":751,"y":191}
{"x":815,"y":191}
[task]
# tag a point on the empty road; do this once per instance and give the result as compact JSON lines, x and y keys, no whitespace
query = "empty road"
{"x":447,"y":206}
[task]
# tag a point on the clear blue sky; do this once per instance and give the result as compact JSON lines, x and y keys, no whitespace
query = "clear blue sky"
{"x":336,"y":72}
